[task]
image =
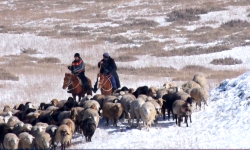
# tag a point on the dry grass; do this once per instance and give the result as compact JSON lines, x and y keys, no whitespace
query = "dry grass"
{"x":29,"y":51}
{"x":198,"y":50}
{"x":49,"y":60}
{"x":239,"y":24}
{"x":4,"y":75}
{"x":127,"y":58}
{"x":189,"y":14}
{"x":226,"y":61}
{"x":117,"y":39}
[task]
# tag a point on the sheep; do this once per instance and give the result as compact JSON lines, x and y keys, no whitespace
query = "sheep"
{"x":190,"y":84}
{"x":35,"y":130}
{"x":45,"y":117}
{"x":51,"y":130}
{"x":26,"y":141}
{"x":18,"y":128}
{"x":87,"y":97}
{"x":10,"y":141}
{"x":52,"y":108}
{"x":157,"y":108}
{"x":88,"y":126}
{"x":148,"y":113}
{"x":89,"y":103}
{"x":7,"y":108}
{"x":1,"y":119}
{"x":43,"y":140}
{"x":109,"y":98}
{"x":126,"y":101}
{"x":44,"y":106}
{"x":61,"y":103}
{"x":27,"y":127}
{"x":199,"y":95}
{"x":143,"y":96}
{"x":201,"y":80}
{"x":42,"y":124}
{"x":99,"y":98}
{"x":71,"y":103}
{"x":89,"y":112}
{"x":69,"y":123}
{"x":160,"y":93}
{"x":76,"y":115}
{"x":168,"y":100}
{"x":20,"y":107}
{"x":8,"y":113}
{"x":63,"y":115}
{"x":141,"y":90}
{"x":112,"y":111}
{"x":182,"y":108}
{"x":12,"y":121}
{"x":135,"y":110}
{"x":54,"y":102}
{"x":63,"y":135}
{"x":31,"y":117}
{"x":168,"y":85}
{"x":4,"y":129}
{"x":152,"y":92}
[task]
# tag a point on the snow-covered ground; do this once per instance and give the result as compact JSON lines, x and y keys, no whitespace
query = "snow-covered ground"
{"x":223,"y":124}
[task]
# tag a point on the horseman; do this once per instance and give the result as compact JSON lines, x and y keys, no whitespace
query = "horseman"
{"x":78,"y":68}
{"x":108,"y":68}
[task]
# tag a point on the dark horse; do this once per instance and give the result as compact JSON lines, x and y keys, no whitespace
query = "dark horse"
{"x":76,"y":89}
{"x":104,"y":84}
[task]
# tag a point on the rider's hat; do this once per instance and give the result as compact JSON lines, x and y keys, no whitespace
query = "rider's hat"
{"x":106,"y":55}
{"x":77,"y":55}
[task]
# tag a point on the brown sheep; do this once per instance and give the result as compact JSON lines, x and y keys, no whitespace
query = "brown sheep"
{"x":69,"y":123}
{"x":200,"y":95}
{"x":26,"y":141}
{"x":112,"y":111}
{"x":11,"y":141}
{"x":7,"y":108}
{"x":63,"y":135}
{"x":54,"y":102}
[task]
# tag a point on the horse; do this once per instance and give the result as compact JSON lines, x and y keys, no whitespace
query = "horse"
{"x":104,"y":84}
{"x":73,"y":82}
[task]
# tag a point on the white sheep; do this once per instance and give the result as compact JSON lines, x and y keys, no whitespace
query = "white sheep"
{"x":201,"y":80}
{"x":69,"y":123}
{"x":10,"y":141}
{"x":12,"y":121}
{"x":190,"y":85}
{"x":63,"y":135}
{"x":200,"y":95}
{"x":135,"y":110}
{"x":26,"y":141}
{"x":148,"y":113}
{"x":43,"y":140}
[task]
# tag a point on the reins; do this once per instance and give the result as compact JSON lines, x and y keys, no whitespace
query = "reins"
{"x":70,"y":82}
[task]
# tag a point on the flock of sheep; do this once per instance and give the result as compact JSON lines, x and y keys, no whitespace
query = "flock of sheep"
{"x":26,"y":126}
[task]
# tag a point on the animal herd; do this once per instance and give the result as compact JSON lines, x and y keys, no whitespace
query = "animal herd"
{"x":26,"y":126}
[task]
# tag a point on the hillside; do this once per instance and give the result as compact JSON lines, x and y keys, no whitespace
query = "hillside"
{"x":223,"y":124}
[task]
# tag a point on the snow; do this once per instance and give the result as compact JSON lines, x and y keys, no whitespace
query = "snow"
{"x":223,"y":124}
{"x":179,"y":62}
{"x":216,"y":18}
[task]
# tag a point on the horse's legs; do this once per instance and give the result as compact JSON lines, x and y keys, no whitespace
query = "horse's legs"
{"x":74,"y":96}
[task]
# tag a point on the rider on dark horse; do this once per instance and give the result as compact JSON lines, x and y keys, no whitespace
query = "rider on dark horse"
{"x":109,"y":69}
{"x":78,"y":68}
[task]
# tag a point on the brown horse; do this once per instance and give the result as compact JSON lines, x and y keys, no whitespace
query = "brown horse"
{"x":104,"y":84}
{"x":73,"y":82}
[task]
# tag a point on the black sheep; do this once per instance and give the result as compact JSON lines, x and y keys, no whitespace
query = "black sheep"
{"x":141,"y":90}
{"x":88,"y":127}
{"x":4,"y":129}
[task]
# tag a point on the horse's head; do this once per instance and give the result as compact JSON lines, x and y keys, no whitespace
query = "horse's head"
{"x":67,"y":80}
{"x":100,"y":78}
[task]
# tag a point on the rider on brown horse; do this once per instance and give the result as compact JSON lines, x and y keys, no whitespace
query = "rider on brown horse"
{"x":78,"y":68}
{"x":109,"y":69}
